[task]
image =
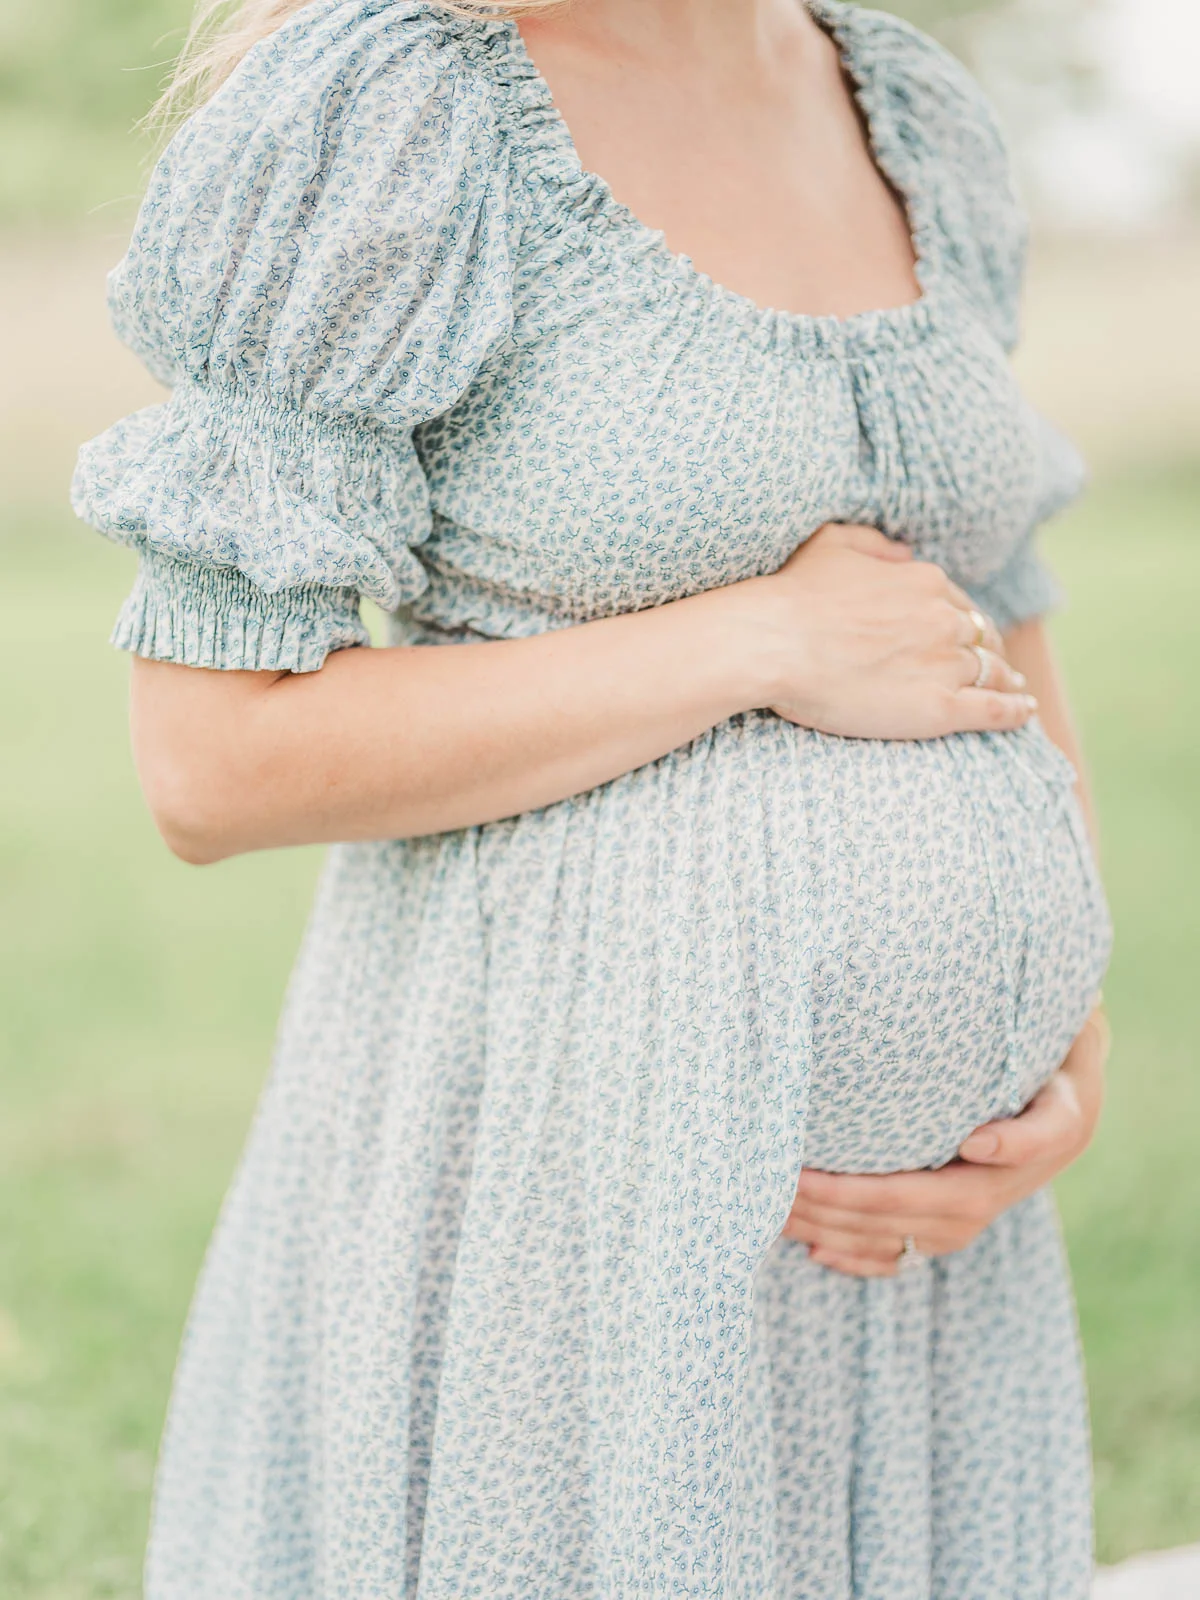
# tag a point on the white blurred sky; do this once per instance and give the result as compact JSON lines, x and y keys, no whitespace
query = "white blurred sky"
{"x":1124,"y":160}
{"x":1150,"y":50}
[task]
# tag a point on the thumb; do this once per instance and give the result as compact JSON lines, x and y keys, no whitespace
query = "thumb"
{"x":1047,"y":1125}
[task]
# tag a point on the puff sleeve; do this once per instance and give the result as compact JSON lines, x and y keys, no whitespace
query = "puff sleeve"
{"x":969,"y":204}
{"x":321,"y":263}
{"x":1021,"y":591}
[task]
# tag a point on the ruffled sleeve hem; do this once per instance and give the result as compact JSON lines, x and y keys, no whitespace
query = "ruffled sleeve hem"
{"x":1023,"y":589}
{"x":216,"y":617}
{"x":259,"y":527}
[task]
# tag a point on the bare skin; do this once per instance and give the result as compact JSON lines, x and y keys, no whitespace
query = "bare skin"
{"x":851,"y":636}
{"x":733,"y":129}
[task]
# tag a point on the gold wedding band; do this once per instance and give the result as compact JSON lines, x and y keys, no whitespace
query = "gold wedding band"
{"x":980,"y":624}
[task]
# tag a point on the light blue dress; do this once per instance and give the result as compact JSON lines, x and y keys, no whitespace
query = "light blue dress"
{"x":497,"y":1306}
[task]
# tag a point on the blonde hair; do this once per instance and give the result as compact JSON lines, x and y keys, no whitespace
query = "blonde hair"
{"x":222,"y":31}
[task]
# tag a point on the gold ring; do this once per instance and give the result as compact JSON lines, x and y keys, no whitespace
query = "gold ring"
{"x":980,"y":624}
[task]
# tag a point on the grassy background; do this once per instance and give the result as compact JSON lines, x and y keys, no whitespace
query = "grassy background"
{"x":138,"y":997}
{"x":74,"y":76}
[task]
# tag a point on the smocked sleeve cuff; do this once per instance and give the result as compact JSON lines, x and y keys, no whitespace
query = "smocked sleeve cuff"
{"x":1020,"y":591}
{"x":216,"y":617}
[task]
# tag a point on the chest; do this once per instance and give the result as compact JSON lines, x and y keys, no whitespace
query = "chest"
{"x":674,"y":438}
{"x":764,"y":177}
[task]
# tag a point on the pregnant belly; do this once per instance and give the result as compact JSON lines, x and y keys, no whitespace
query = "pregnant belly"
{"x":770,"y":946}
{"x":918,"y":927}
{"x":961,"y":935}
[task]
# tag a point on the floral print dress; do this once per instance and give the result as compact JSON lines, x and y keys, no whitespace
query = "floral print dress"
{"x":497,"y":1305}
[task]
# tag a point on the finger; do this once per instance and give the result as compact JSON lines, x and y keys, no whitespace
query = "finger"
{"x":945,"y":1209}
{"x":1047,"y":1129}
{"x":949,"y":1228}
{"x":867,"y":541}
{"x":984,"y":669}
{"x":973,"y":628}
{"x":1085,"y":1063}
{"x":892,"y":1194}
{"x":958,"y":1192}
{"x":866,"y":1224}
{"x":853,"y":1266}
{"x":938,"y":1232}
{"x":982,"y":710}
{"x":930,"y":574}
{"x":882,"y":1247}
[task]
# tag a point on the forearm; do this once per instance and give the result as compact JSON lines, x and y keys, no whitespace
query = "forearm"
{"x":407,"y":741}
{"x":849,"y":636}
{"x":1029,"y":650}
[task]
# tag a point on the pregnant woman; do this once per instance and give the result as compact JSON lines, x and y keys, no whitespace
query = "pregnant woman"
{"x":696,"y":827}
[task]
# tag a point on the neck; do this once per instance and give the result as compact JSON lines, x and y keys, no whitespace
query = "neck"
{"x":727,"y":31}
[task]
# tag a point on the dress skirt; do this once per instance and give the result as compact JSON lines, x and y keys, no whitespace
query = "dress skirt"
{"x":497,"y":1306}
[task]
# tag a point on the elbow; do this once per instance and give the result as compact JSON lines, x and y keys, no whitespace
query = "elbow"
{"x":192,"y":810}
{"x":192,"y":843}
{"x":195,"y":790}
{"x":193,"y":737}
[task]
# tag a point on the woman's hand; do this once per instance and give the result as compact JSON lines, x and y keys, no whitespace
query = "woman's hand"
{"x":851,"y":636}
{"x":858,"y":1224}
{"x":861,"y":640}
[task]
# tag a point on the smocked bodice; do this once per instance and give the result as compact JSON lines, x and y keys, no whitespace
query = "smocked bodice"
{"x":419,"y":354}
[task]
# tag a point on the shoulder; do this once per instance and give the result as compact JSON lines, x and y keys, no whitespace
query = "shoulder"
{"x":354,"y":102}
{"x":946,"y":129}
{"x":370,"y":75}
{"x":945,"y":104}
{"x":351,"y":175}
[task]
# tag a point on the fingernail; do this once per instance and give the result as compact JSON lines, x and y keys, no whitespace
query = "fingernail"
{"x":1020,"y":679}
{"x":1031,"y":702}
{"x":979,"y":1146}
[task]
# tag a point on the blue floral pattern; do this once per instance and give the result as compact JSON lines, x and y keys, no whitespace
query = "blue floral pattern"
{"x":497,"y":1304}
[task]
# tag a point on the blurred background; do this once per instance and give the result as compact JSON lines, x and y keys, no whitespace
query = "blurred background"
{"x":138,"y":996}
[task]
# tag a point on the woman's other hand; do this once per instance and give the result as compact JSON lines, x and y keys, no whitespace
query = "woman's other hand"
{"x":857,"y":638}
{"x":858,"y":1224}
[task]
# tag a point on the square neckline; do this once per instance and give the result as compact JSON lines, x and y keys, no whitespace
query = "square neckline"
{"x":837,"y":22}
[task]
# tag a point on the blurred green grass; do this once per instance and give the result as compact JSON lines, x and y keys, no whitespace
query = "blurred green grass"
{"x":136,"y":1009}
{"x":75,"y":75}
{"x":138,"y":999}
{"x":1132,"y":561}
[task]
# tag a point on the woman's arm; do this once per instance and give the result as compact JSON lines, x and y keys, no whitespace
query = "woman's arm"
{"x":857,"y":1224}
{"x":851,"y":636}
{"x":1028,"y":649}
